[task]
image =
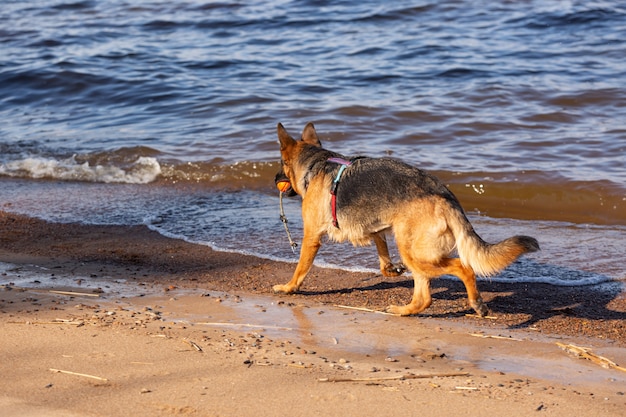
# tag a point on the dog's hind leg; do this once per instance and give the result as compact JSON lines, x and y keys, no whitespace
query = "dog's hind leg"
{"x":388,"y":268}
{"x":423,"y":272}
{"x":453,"y":266}
{"x":310,"y":246}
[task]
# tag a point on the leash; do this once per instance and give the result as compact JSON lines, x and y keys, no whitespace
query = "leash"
{"x":333,"y":189}
{"x":283,"y":219}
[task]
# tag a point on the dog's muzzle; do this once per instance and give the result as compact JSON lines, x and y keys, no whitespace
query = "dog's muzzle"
{"x":284,"y":185}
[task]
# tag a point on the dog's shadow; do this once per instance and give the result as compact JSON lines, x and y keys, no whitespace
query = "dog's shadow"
{"x":542,"y":301}
{"x":529,"y":302}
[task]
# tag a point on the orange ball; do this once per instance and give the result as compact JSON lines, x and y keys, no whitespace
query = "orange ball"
{"x":283,"y":186}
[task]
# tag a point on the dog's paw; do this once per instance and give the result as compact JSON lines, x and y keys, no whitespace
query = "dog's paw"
{"x":480,"y":308}
{"x":393,"y":270}
{"x":282,"y":289}
{"x":399,"y":310}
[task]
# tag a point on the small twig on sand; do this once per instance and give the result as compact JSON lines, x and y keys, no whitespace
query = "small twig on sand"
{"x":586,"y":353}
{"x":487,"y":336}
{"x":369,"y":310}
{"x":74,"y":293}
{"x":39,"y":290}
{"x":393,"y":377}
{"x":481,"y":317}
{"x":56,"y":321}
{"x":252,"y":326}
{"x":193,"y":345}
{"x":60,"y":371}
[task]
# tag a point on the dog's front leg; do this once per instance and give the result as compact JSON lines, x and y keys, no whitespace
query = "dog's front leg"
{"x":388,"y":268}
{"x":310,"y":246}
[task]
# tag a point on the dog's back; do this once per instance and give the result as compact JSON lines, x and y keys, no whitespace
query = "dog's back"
{"x":387,"y":182}
{"x":373,"y":191}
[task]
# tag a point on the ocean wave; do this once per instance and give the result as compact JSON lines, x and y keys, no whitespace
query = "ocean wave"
{"x":216,"y":174}
{"x":142,"y":171}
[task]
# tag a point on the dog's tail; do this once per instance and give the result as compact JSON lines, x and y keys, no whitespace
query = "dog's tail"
{"x":485,"y":258}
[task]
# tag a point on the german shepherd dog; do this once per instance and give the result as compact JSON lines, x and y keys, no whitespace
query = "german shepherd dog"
{"x":361,"y":199}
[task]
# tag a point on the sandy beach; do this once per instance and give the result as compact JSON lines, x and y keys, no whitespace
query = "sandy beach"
{"x":117,"y":320}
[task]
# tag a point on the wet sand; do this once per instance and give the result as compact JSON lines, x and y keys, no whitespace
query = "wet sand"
{"x":154,"y":326}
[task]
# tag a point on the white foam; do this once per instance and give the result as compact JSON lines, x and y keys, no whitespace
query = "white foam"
{"x":142,"y":171}
{"x":152,"y":222}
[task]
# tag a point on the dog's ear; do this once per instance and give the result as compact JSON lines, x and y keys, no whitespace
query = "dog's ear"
{"x":284,"y":138}
{"x":309,"y":135}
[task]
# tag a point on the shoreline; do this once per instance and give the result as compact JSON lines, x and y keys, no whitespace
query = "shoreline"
{"x":156,"y":297}
{"x":590,"y":311}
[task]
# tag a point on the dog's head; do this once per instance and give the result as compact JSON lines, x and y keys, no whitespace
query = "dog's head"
{"x":290,"y":150}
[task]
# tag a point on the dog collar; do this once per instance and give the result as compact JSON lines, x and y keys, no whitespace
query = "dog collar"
{"x":333,"y":189}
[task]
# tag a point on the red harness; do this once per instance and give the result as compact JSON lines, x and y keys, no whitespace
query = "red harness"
{"x":333,"y":189}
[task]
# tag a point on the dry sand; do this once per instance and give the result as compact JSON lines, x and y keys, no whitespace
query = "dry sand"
{"x":150,"y":326}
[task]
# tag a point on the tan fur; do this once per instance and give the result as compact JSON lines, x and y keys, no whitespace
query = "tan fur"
{"x":427,"y":229}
